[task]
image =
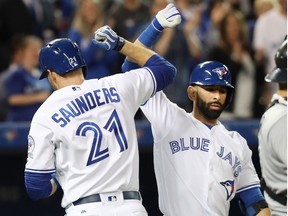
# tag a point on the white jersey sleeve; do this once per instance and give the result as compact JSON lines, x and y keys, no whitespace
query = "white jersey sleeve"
{"x":154,"y":109}
{"x":45,"y":152}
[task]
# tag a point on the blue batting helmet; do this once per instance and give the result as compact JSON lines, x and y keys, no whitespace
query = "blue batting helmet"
{"x":213,"y":73}
{"x":62,"y":56}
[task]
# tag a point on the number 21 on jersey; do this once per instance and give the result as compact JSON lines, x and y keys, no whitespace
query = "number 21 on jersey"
{"x":113,"y":125}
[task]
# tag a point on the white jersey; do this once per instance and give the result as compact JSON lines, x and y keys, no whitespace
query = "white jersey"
{"x":198,"y":170}
{"x":273,"y":152}
{"x":83,"y":131}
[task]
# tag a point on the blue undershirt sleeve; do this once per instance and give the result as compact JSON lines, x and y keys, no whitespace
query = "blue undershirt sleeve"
{"x":163,"y":71}
{"x":249,"y":198}
{"x":38,"y":185}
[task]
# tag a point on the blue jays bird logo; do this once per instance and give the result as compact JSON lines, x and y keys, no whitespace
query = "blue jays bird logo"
{"x":229,"y":187}
{"x":220,"y":71}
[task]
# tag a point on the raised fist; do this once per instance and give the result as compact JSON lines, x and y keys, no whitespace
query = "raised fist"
{"x":107,"y":39}
{"x":167,"y":17}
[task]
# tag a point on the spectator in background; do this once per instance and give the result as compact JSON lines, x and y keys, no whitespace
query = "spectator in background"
{"x":194,"y":28}
{"x":233,"y":50}
{"x":259,"y":7}
{"x":167,"y":35}
{"x":64,"y":11}
{"x":25,"y":93}
{"x":184,"y":49}
{"x":245,"y":6}
{"x":42,"y":13}
{"x":127,"y":18}
{"x":270,"y":29}
{"x":262,"y":6}
{"x":273,"y":139}
{"x":89,"y":16}
{"x":14,"y":19}
{"x":17,"y":43}
{"x":216,"y":10}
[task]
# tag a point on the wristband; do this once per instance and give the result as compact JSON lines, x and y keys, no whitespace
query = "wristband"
{"x":149,"y":36}
{"x":256,"y":208}
{"x":120,"y":43}
{"x":157,"y":25}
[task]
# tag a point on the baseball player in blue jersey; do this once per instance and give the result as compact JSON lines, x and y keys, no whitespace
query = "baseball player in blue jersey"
{"x":83,"y":137}
{"x":273,"y":139}
{"x":200,"y":166}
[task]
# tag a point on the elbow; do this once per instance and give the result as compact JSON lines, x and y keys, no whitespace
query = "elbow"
{"x":173,"y":72}
{"x":169,"y":74}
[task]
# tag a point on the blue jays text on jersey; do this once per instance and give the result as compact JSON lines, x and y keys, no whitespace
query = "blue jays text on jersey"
{"x":85,"y":102}
{"x":202,"y":144}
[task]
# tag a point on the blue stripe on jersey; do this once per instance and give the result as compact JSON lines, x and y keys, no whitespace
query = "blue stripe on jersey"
{"x":154,"y":81}
{"x":38,"y":185}
{"x":247,"y":187}
{"x":40,"y":171}
{"x":163,"y":71}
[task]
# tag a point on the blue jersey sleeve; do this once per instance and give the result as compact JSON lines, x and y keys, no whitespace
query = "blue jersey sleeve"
{"x":163,"y":71}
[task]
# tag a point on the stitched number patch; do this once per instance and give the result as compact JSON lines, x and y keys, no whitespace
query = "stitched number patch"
{"x":114,"y":126}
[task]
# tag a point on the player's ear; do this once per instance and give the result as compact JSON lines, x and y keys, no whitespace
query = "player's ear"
{"x":191,"y":92}
{"x":51,"y":76}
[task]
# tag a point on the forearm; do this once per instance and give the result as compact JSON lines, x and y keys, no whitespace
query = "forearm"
{"x":264,"y":212}
{"x":54,"y":186}
{"x":136,"y":52}
{"x":161,"y":46}
{"x":27,"y":99}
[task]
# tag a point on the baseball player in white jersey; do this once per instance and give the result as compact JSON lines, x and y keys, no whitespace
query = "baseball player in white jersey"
{"x":83,"y":137}
{"x":200,"y":166}
{"x":273,"y":139}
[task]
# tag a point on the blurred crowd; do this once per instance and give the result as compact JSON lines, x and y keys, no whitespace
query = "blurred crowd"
{"x":242,"y":34}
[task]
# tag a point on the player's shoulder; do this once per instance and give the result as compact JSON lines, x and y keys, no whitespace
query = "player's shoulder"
{"x":45,"y":107}
{"x":235,"y":135}
{"x":274,"y":114}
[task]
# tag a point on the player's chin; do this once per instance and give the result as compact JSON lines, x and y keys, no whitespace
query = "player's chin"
{"x":216,"y":107}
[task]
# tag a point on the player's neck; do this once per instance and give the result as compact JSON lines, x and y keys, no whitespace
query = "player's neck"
{"x":282,"y":93}
{"x":204,"y":120}
{"x":73,"y":78}
{"x":70,"y":82}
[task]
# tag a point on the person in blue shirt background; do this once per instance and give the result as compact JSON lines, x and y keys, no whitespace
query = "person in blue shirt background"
{"x":24,"y":92}
{"x":89,"y":16}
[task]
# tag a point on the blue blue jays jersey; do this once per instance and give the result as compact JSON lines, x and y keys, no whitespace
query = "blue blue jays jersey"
{"x":23,"y":82}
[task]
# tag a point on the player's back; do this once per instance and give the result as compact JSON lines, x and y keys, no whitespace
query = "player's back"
{"x":91,"y":127}
{"x":273,"y":146}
